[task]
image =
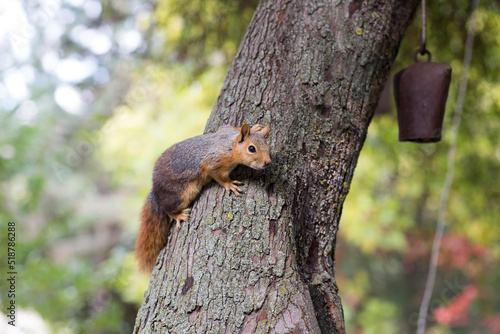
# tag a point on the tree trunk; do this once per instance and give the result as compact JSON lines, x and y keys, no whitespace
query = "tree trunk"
{"x":264,"y":262}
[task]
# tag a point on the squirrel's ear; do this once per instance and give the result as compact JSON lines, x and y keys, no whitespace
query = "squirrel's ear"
{"x":264,"y":131}
{"x":244,"y":133}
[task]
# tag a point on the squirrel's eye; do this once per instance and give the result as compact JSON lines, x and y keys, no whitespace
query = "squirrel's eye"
{"x":251,"y":149}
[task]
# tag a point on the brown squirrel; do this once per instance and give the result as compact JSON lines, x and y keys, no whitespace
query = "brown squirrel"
{"x":181,"y":172}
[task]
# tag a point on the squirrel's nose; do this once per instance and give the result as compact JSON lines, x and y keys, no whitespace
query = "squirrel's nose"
{"x":267,"y":163}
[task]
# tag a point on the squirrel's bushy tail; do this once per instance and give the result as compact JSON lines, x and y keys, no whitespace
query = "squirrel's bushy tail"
{"x":153,"y":233}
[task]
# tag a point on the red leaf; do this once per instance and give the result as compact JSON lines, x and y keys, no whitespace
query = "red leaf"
{"x":455,"y":313}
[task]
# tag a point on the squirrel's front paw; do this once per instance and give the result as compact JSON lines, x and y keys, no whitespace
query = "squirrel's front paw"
{"x":256,"y":128}
{"x":233,"y":186}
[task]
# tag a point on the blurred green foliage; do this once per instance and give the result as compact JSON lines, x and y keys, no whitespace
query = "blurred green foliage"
{"x":203,"y":33}
{"x":390,"y":214}
{"x":74,"y":183}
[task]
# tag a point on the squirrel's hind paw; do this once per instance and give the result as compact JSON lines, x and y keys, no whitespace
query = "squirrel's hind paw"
{"x":184,"y":216}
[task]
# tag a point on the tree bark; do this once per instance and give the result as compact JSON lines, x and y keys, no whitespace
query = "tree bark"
{"x":264,"y":262}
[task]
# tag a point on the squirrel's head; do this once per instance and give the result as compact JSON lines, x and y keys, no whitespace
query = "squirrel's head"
{"x":251,"y":148}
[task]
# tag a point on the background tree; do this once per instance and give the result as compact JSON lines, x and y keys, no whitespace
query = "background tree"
{"x":264,"y":262}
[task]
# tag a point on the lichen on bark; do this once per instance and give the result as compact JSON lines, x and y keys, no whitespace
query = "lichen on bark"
{"x":263,"y":262}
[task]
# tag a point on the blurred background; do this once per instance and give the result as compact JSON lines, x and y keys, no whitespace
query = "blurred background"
{"x":92,"y":92}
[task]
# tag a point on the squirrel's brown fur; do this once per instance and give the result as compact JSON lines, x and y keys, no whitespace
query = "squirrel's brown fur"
{"x":181,"y":172}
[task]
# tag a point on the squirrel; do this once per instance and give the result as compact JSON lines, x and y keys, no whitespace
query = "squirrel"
{"x":180,"y":174}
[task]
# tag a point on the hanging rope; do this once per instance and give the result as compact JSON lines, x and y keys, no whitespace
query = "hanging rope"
{"x":431,"y":277}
